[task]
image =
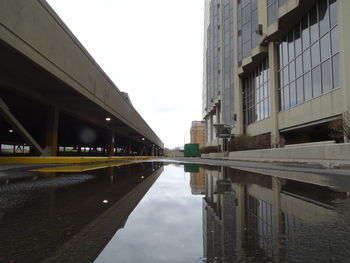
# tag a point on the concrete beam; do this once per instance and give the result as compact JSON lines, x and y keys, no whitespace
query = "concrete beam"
{"x":6,"y":113}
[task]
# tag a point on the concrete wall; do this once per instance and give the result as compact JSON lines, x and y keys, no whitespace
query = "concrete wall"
{"x":327,"y":105}
{"x":260,"y":127}
{"x":216,"y":155}
{"x":293,"y":206}
{"x":321,"y":152}
{"x":34,"y":29}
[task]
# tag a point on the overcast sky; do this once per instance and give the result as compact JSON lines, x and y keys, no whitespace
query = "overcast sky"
{"x":151,"y":49}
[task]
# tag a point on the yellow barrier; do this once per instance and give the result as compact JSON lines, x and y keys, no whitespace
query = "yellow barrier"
{"x":69,"y":160}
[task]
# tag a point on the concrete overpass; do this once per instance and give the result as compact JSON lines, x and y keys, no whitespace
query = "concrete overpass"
{"x":54,"y":95}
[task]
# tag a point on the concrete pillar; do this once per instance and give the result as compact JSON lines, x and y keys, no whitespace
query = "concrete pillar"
{"x":277,"y":220}
{"x":110,"y":173}
{"x":238,"y":98}
{"x":239,"y":124}
{"x":110,"y":145}
{"x":51,"y":136}
{"x":141,"y":150}
{"x":240,"y":219}
{"x":343,"y":10}
{"x":128,"y":148}
{"x":274,"y":104}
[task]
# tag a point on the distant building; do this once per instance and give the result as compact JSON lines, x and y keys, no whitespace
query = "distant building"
{"x":198,"y":133}
{"x":198,"y":182}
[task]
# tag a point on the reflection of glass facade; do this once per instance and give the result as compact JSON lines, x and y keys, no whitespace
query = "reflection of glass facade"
{"x":250,"y":217}
{"x":259,"y":224}
{"x":272,"y":10}
{"x":247,"y":22}
{"x":309,"y":56}
{"x":256,"y":100}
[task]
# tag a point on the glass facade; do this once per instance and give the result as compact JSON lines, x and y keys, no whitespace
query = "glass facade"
{"x":227,"y":35}
{"x":309,"y":56}
{"x":256,"y":99}
{"x":247,"y":23}
{"x":272,"y":10}
{"x":259,"y":219}
{"x":218,"y":62}
{"x":212,"y":57}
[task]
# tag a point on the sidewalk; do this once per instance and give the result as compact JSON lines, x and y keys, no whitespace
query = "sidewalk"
{"x":310,"y":155}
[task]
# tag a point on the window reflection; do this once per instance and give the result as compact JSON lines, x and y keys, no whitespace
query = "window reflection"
{"x":307,"y":72}
{"x":256,"y":95}
{"x":316,"y":82}
{"x":272,"y":10}
{"x":250,"y":217}
{"x":247,"y":22}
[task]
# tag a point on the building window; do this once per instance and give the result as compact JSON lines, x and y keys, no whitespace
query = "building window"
{"x":256,"y":104}
{"x":260,"y":223}
{"x":272,"y":10}
{"x":247,"y":21}
{"x":309,"y":56}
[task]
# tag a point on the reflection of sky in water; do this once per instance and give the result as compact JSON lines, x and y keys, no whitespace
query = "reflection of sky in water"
{"x":165,"y":226}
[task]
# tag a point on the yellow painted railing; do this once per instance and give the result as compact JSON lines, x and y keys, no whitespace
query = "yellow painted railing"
{"x":69,"y":160}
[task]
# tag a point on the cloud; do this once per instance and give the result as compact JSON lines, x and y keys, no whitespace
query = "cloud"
{"x":150,"y":49}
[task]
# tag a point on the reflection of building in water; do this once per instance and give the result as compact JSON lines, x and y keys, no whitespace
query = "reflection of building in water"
{"x":198,"y":182}
{"x":256,"y":216}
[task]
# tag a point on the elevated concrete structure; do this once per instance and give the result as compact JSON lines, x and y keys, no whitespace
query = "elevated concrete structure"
{"x":51,"y":83}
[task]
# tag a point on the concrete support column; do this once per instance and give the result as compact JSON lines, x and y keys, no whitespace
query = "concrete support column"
{"x":128,"y":148}
{"x":239,"y":124}
{"x":51,"y":136}
{"x":238,"y":86}
{"x":218,"y":120}
{"x":240,"y":219}
{"x":210,"y":128}
{"x":142,"y":150}
{"x":110,"y":145}
{"x":343,"y":9}
{"x":273,"y":69}
{"x":277,"y":220}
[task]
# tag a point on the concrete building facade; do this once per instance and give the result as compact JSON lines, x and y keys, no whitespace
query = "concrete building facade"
{"x":290,"y":79}
{"x":198,"y":133}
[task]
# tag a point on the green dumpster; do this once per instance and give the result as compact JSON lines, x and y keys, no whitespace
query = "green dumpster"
{"x":191,"y":150}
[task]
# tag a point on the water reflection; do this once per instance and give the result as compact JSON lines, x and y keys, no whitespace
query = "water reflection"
{"x":250,"y":217}
{"x":207,"y":214}
{"x":197,"y":181}
{"x":69,"y":218}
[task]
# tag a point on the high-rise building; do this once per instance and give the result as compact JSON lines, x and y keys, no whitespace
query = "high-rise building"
{"x":198,"y":133}
{"x":218,"y":96}
{"x":290,"y":79}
